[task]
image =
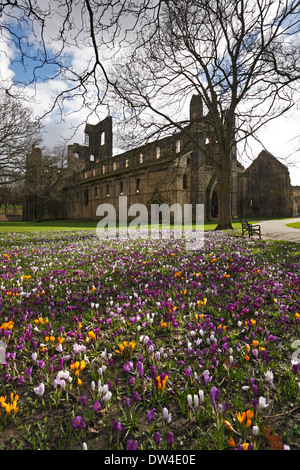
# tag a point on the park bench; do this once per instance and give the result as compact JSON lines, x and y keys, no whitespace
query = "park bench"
{"x":251,"y":229}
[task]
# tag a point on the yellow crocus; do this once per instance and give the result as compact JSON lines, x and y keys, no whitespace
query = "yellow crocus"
{"x":75,"y":365}
{"x":241,"y":417}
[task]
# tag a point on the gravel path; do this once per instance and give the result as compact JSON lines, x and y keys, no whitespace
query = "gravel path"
{"x":277,"y":229}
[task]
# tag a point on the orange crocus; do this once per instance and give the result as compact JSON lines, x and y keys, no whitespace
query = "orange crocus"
{"x":231,"y":442}
{"x":249,"y":415}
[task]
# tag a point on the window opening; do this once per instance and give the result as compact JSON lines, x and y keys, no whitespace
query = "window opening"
{"x":137,"y":185}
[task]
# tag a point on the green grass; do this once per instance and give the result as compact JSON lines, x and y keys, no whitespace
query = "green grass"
{"x":66,"y":225}
{"x":46,"y":226}
{"x":294,"y":225}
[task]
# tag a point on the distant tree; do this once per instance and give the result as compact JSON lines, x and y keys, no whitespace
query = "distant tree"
{"x":45,"y":177}
{"x":18,"y":133}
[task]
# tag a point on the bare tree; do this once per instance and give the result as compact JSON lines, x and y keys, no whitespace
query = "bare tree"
{"x":241,"y":57}
{"x":45,"y":179}
{"x":73,"y":40}
{"x":18,"y":133}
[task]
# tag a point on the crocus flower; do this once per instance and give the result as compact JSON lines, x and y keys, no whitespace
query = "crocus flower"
{"x":28,"y":371}
{"x":140,"y":368}
{"x":117,"y":426}
{"x":187,"y":372}
{"x":150,"y":415}
{"x":196,"y":400}
{"x":136,"y":396}
{"x":127,"y":402}
{"x":214,"y":395}
{"x":295,"y":367}
{"x":34,"y":356}
{"x":255,"y":430}
{"x":107,"y":397}
{"x":156,"y":438}
{"x":78,"y":423}
{"x":262,"y":403}
{"x":165,"y":413}
{"x":97,"y":406}
{"x":153,"y":372}
{"x":131,"y":445}
{"x":40,"y":390}
{"x":169,"y":439}
{"x":131,"y":381}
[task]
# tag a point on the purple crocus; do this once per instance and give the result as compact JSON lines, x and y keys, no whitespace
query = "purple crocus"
{"x":214,"y":396}
{"x":132,"y":381}
{"x":97,"y":406}
{"x":136,"y":396}
{"x":20,"y":380}
{"x":156,"y":438}
{"x":132,"y":445}
{"x":187,"y":372}
{"x":78,"y":423}
{"x":128,"y":366}
{"x":127,"y":402}
{"x":117,"y":426}
{"x":28,"y":371}
{"x":169,"y":439}
{"x":150,"y":415}
{"x":140,"y":368}
{"x":153,"y":372}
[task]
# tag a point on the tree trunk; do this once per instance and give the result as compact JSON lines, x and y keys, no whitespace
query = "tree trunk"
{"x":224,"y":222}
{"x":41,"y":205}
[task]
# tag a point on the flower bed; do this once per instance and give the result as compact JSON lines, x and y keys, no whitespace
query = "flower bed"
{"x":144,"y":345}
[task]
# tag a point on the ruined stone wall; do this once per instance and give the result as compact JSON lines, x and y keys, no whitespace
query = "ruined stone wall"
{"x":265,"y":189}
{"x":296,"y":200}
{"x":159,"y":172}
{"x":169,"y":170}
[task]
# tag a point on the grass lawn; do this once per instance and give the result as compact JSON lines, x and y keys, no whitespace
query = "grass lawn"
{"x":294,"y":225}
{"x":145,"y":345}
{"x":64,"y":225}
{"x":45,"y":226}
